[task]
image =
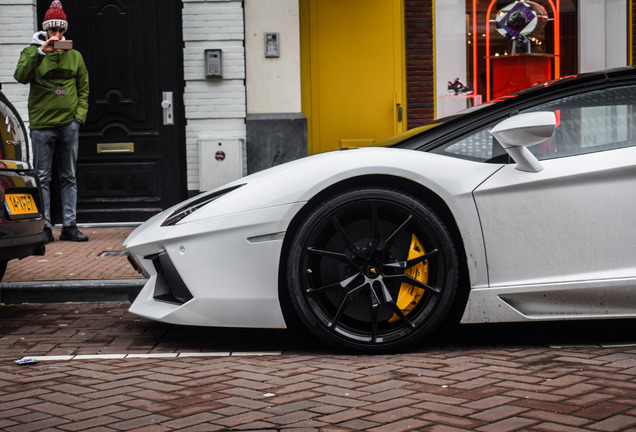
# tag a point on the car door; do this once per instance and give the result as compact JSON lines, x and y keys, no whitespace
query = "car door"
{"x":573,"y":221}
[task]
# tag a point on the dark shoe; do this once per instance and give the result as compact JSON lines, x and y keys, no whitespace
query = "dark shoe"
{"x":71,"y":233}
{"x":49,"y":235}
{"x":458,"y":88}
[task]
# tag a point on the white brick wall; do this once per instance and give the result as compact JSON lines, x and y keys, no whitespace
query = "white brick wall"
{"x":215,"y":108}
{"x":17,"y":25}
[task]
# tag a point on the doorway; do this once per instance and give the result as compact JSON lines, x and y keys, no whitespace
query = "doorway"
{"x":352,"y":69}
{"x":131,"y":162}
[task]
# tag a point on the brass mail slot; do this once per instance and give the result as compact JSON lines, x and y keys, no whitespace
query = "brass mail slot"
{"x":115,"y":147}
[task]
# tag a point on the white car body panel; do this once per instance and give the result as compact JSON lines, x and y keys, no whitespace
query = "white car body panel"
{"x":600,"y":298}
{"x":240,"y":285}
{"x":590,"y":270}
{"x":536,"y":190}
{"x":265,"y":206}
{"x":237,"y":280}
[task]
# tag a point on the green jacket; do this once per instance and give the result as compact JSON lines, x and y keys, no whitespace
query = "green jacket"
{"x":59,"y":86}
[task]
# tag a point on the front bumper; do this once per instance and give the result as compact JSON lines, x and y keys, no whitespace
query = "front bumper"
{"x":221,"y":271}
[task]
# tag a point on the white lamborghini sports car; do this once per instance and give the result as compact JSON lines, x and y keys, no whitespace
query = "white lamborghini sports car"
{"x":520,"y":209}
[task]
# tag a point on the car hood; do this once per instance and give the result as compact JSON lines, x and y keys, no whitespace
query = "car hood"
{"x":300,"y":180}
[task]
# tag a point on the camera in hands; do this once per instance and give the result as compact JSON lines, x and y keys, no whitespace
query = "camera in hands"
{"x":63,"y":44}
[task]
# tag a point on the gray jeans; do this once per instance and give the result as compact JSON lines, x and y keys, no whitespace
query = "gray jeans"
{"x":63,"y":142}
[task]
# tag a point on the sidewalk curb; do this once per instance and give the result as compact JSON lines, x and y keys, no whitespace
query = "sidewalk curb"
{"x":70,"y":291}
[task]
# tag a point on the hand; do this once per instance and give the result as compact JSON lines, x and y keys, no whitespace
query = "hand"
{"x":48,"y":45}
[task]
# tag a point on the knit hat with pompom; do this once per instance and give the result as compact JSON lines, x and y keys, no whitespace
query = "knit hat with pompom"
{"x":55,"y":17}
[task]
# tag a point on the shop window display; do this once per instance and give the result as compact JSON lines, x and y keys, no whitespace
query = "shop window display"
{"x":508,"y":45}
{"x":522,"y":24}
{"x":514,"y":45}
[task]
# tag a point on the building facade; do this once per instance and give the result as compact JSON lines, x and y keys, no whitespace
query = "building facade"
{"x":186,"y":95}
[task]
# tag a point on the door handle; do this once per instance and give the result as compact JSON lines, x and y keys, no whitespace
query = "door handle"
{"x":166,"y":105}
{"x":399,"y":112}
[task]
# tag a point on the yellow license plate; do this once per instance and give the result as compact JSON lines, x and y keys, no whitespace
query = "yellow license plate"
{"x":21,"y":204}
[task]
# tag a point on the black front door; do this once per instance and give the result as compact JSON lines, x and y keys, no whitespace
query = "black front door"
{"x":131,"y":158}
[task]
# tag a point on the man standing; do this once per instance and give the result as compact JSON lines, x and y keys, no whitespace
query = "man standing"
{"x":58,"y":104}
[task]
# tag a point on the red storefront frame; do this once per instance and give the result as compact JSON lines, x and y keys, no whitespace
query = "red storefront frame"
{"x":555,"y":6}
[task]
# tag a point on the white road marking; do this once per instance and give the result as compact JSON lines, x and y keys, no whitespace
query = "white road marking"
{"x":150,"y":355}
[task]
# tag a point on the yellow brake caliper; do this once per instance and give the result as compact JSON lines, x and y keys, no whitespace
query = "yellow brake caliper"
{"x":409,"y":295}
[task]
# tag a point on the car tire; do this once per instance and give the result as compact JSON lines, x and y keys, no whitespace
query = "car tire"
{"x":372,"y":270}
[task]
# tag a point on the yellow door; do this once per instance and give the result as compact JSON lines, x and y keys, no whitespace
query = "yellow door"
{"x":352,"y":60}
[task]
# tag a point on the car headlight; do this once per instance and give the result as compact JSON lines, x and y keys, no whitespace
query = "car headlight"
{"x":196,"y":204}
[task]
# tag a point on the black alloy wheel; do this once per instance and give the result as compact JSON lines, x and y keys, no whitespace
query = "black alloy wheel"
{"x":372,"y":270}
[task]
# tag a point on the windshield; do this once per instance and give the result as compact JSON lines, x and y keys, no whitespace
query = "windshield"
{"x":587,"y":121}
{"x":408,"y":138}
{"x":401,"y":139}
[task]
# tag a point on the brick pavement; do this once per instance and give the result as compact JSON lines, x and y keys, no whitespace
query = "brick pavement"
{"x":100,"y":258}
{"x":451,"y":386}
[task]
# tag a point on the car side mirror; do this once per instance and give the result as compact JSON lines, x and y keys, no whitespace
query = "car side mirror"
{"x":516,"y":133}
